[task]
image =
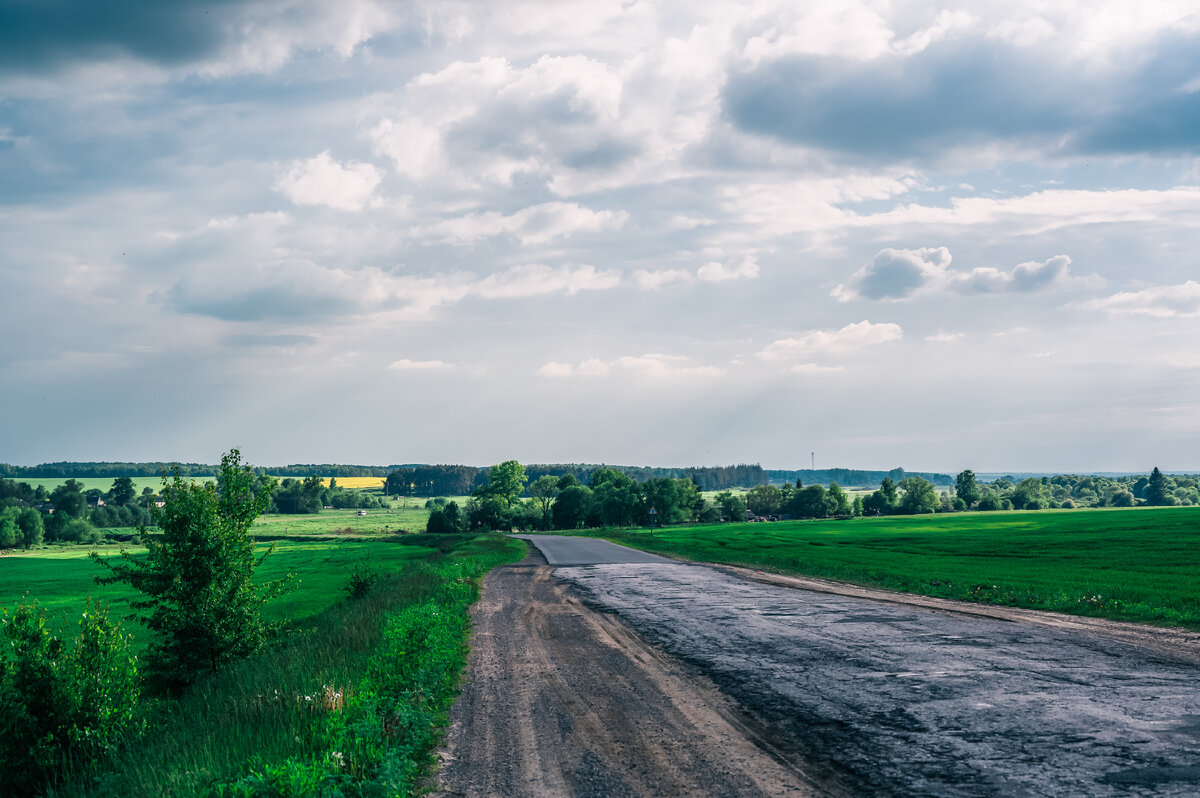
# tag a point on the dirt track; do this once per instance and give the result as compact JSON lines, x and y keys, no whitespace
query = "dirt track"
{"x":670,"y":679}
{"x":562,"y":700}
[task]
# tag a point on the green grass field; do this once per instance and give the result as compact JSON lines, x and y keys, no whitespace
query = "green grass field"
{"x":1137,"y":564}
{"x":61,"y":578}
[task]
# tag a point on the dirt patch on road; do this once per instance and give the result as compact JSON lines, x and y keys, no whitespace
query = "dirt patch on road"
{"x":1172,"y":642}
{"x":564,"y":700}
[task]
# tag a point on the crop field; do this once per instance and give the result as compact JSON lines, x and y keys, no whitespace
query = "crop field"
{"x":1129,"y":564}
{"x":62,"y":578}
{"x":99,"y":483}
{"x":356,"y":483}
{"x":331,"y":522}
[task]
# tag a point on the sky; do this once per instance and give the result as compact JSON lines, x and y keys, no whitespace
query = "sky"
{"x":873,"y":234}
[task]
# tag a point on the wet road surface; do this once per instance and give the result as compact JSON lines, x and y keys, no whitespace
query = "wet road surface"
{"x":864,"y":697}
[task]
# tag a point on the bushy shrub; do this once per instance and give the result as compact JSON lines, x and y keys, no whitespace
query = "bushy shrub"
{"x":59,"y":705}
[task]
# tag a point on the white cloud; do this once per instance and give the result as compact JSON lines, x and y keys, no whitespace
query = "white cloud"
{"x":651,"y":280}
{"x":1044,"y":211}
{"x":536,"y":280}
{"x":814,"y":368}
{"x":715,"y":272}
{"x":650,"y":365}
{"x":414,"y":147}
{"x":943,"y":337}
{"x":405,"y":364}
{"x":900,"y":274}
{"x":536,"y":224}
{"x":324,"y":181}
{"x":852,"y":336}
{"x":1163,"y":302}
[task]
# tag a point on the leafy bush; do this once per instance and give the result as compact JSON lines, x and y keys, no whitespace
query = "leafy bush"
{"x":62,"y":706}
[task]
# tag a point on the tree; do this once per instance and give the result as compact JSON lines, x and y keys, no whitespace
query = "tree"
{"x":732,"y":507}
{"x":919,"y":496}
{"x":10,"y":531}
{"x":68,"y":499}
{"x":572,"y":506}
{"x":966,"y":487}
{"x":989,"y":502}
{"x":505,"y":482}
{"x":837,"y":500}
{"x":882,"y":501}
{"x":123,"y":491}
{"x":764,"y":500}
{"x":197,"y":577}
{"x":1029,"y":494}
{"x":1157,"y":490}
{"x":31,"y":526}
{"x":543,"y":491}
{"x":810,"y":502}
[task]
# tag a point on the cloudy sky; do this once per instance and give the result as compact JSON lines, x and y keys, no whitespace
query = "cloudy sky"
{"x":641,"y":232}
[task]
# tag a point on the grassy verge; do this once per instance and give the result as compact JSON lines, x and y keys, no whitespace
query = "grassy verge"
{"x":1136,"y":564}
{"x":350,"y":703}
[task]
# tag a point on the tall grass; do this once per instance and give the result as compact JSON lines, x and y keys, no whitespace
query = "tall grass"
{"x":333,"y":709}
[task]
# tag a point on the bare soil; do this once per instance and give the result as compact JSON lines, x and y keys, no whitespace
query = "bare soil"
{"x":562,"y":700}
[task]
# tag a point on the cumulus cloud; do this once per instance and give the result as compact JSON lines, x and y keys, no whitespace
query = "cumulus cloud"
{"x":900,"y":274}
{"x":405,"y":364}
{"x":649,"y":365}
{"x":853,"y":336}
{"x":1162,"y":302}
{"x":719,"y":272}
{"x":536,"y":224}
{"x":323,"y":181}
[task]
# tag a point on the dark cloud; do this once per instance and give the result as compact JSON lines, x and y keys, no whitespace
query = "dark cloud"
{"x":41,"y":35}
{"x":971,"y":92}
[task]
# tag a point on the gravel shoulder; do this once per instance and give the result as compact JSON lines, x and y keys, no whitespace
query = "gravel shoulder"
{"x":563,"y":700}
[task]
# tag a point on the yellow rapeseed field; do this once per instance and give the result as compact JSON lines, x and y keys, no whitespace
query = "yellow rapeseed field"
{"x":356,"y":482}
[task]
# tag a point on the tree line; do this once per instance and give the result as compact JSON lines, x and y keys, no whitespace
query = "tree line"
{"x":461,"y":480}
{"x":612,"y":498}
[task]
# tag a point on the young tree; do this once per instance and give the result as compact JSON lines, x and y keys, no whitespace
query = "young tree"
{"x":966,"y":487}
{"x":197,"y":577}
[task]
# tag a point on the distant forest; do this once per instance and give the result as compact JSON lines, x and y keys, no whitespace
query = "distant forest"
{"x":852,"y":477}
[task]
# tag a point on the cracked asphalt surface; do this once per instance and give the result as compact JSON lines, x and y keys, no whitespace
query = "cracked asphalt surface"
{"x":866,"y":697}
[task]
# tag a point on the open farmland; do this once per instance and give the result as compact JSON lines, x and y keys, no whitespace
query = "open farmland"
{"x":1135,"y":564}
{"x":60,"y":579}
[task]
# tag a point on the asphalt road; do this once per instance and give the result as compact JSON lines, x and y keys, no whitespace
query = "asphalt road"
{"x":567,"y":550}
{"x":904,"y":700}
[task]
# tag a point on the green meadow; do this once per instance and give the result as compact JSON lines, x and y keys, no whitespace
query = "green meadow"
{"x":1136,"y":564}
{"x":61,"y":578}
